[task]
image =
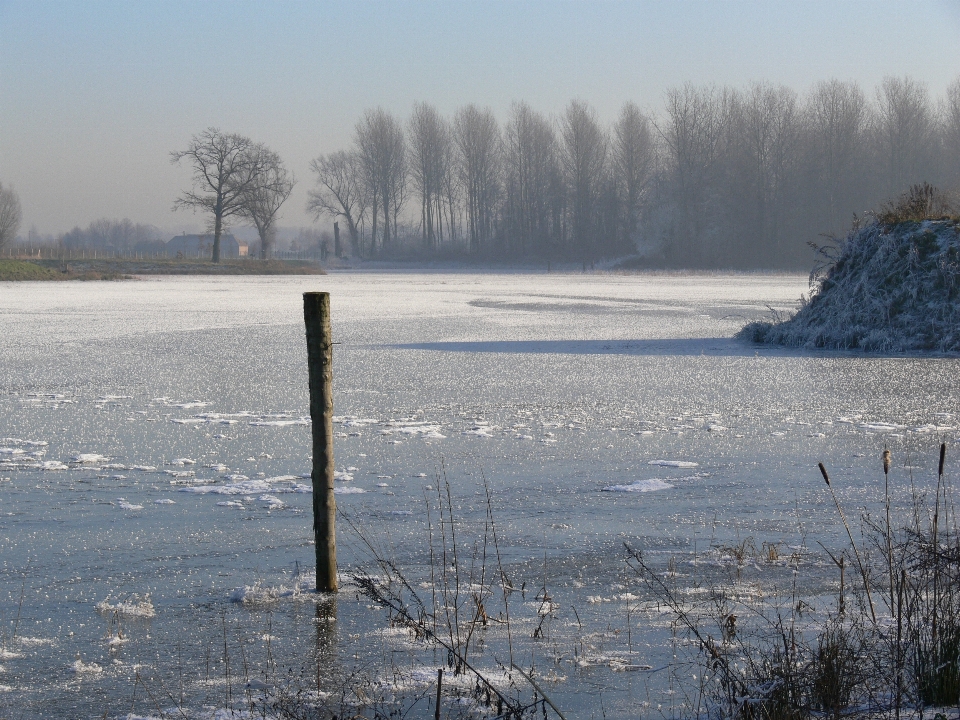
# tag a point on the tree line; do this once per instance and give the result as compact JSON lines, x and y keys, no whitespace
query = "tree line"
{"x":718,"y":177}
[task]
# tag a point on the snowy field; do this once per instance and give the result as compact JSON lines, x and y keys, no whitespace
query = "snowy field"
{"x":154,"y":460}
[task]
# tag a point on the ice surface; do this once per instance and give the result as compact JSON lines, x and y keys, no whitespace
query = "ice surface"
{"x":601,"y":370}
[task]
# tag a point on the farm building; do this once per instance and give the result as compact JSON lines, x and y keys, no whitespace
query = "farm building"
{"x":191,"y":246}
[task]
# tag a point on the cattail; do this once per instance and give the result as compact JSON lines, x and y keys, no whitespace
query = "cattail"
{"x":823,"y":471}
{"x":886,"y":462}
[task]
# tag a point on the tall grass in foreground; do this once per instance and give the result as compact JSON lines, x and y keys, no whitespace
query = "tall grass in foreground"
{"x":900,"y":658}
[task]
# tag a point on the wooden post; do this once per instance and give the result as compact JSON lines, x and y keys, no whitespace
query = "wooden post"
{"x":316,"y":317}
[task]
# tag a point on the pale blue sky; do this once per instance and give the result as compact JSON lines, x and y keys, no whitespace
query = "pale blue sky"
{"x":94,"y":95}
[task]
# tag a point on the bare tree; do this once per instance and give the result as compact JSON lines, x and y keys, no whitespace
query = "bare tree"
{"x":477,"y":138}
{"x":10,"y":215}
{"x":429,"y":151}
{"x":951,"y":118}
{"x":904,"y":132}
{"x":339,"y":192}
{"x":262,"y":199}
{"x":108,"y":234}
{"x":584,"y":160}
{"x":382,"y":149}
{"x":224,"y":167}
{"x":693,"y":133}
{"x":767,"y":123}
{"x":534,"y":182}
{"x":837,"y":116}
{"x":633,"y":159}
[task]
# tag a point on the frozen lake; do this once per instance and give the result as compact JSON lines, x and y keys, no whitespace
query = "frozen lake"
{"x":154,"y":439}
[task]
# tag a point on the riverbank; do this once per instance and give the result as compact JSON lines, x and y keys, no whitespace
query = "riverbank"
{"x":125,"y":268}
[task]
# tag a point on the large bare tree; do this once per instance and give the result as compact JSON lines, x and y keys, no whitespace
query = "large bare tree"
{"x":837,"y":117}
{"x":534,"y":183}
{"x":904,"y":131}
{"x":584,"y":160}
{"x":693,"y":133}
{"x":429,"y":149}
{"x":10,"y":215}
{"x":225,"y":166}
{"x":477,"y":139}
{"x":633,"y":159}
{"x":262,"y":199}
{"x":951,"y":117}
{"x":382,"y":151}
{"x":339,"y":192}
{"x":766,"y":126}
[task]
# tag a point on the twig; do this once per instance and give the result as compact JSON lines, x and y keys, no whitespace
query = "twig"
{"x":540,"y":690}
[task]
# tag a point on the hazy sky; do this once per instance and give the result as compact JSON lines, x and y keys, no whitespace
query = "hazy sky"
{"x":94,"y":95}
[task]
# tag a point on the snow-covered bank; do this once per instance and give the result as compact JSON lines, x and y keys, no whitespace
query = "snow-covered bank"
{"x":892,"y":288}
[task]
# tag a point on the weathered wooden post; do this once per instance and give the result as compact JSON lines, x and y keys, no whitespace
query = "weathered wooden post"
{"x":316,"y":317}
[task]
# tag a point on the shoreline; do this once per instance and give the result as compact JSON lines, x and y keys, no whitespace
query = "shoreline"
{"x":15,"y":270}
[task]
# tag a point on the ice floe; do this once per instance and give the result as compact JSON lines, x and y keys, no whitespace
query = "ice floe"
{"x":478,"y":431}
{"x":279,"y":484}
{"x":651,"y":485}
{"x":881,"y":427}
{"x":272,"y":502}
{"x":88,"y":459}
{"x":279,"y":420}
{"x":80,"y":667}
{"x":674,"y":463}
{"x":124,"y":505}
{"x":131,"y":606}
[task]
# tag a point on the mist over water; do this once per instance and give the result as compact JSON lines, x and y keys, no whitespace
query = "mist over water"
{"x":154,"y":439}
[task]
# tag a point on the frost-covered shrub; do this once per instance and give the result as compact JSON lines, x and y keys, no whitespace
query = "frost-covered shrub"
{"x":892,"y":288}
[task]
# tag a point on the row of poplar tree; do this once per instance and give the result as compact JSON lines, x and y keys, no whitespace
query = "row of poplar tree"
{"x":718,"y":177}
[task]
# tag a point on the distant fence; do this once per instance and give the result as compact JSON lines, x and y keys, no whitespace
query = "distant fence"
{"x":310,"y":255}
{"x":50,"y":252}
